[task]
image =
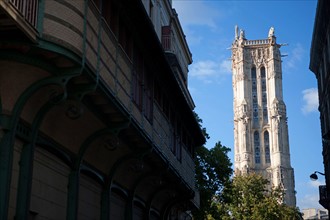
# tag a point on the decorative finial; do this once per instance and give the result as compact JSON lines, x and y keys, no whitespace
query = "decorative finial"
{"x":271,"y":32}
{"x":242,"y":34}
{"x":236,"y":32}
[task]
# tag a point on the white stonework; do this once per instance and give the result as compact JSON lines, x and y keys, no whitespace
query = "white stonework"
{"x":260,"y":122}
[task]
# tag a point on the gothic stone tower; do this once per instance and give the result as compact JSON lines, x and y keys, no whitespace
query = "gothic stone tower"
{"x":260,"y":122}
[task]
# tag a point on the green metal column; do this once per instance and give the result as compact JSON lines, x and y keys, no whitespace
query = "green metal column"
{"x":130,"y":203}
{"x":73,"y":184}
{"x":105,"y":204}
{"x":72,"y":200}
{"x":137,"y":154}
{"x":26,"y":166}
{"x":7,"y":141}
{"x":6,"y":159}
{"x":129,"y":206}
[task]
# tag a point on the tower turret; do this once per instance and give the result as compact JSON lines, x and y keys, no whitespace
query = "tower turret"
{"x":260,"y":121}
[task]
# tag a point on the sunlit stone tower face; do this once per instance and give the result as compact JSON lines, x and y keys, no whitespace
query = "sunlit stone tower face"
{"x":260,"y":121}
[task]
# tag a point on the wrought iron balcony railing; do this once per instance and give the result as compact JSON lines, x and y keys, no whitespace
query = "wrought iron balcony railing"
{"x":170,"y":44}
{"x":28,"y":9}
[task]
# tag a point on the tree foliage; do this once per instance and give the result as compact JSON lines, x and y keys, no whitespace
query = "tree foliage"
{"x":250,"y":197}
{"x":213,"y":170}
{"x":242,"y":197}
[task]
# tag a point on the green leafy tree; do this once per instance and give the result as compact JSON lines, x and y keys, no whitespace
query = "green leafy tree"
{"x":250,"y":197}
{"x":244,"y":197}
{"x":213,"y":171}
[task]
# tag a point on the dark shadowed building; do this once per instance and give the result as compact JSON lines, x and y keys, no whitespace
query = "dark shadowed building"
{"x":96,"y":118}
{"x":320,"y":65}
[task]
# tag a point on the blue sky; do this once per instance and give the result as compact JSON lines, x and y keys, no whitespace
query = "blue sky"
{"x":209,"y":29}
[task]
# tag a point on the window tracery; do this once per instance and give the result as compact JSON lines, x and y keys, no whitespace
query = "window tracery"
{"x":254,"y":95}
{"x":266,"y":144}
{"x":264,"y":94}
{"x":256,"y":147}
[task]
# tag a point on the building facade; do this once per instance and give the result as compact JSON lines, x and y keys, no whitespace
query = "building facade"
{"x":320,"y":66}
{"x":315,"y":214}
{"x":260,"y":121}
{"x":96,"y":121}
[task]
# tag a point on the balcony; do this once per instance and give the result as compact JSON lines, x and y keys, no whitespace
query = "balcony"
{"x":178,"y":62}
{"x":170,"y":45}
{"x":324,"y":199}
{"x":19,"y":15}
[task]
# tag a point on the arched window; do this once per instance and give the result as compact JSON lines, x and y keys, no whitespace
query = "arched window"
{"x":254,"y":95}
{"x":266,"y":144}
{"x":256,"y":147}
{"x":264,"y":94}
